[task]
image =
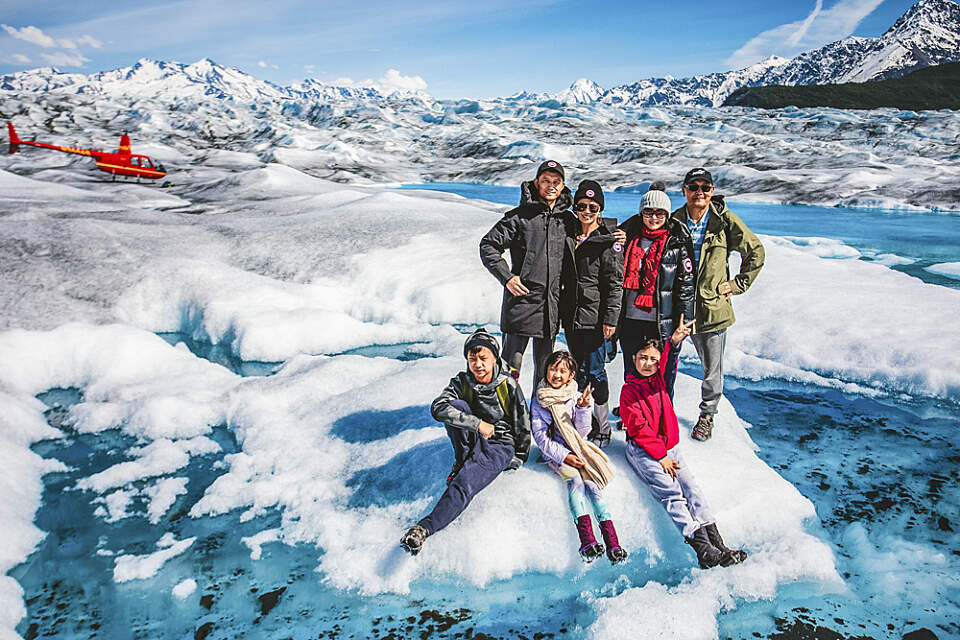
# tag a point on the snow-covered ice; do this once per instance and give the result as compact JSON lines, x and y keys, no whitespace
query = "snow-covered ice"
{"x":949,"y":269}
{"x":335,"y":452}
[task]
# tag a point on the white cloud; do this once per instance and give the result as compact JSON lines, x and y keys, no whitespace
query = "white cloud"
{"x":90,"y":41}
{"x":65,"y":59}
{"x":820,"y":27}
{"x":393,"y":80}
{"x":30,"y":34}
{"x":262,"y":64}
{"x":19,"y":57}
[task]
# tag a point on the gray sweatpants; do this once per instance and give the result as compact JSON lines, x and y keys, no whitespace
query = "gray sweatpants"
{"x":680,"y":496}
{"x":710,"y":349}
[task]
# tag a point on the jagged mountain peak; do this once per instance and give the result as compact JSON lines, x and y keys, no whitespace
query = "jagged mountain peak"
{"x":937,"y":12}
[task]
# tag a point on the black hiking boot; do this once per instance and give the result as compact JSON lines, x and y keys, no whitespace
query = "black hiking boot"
{"x":704,"y":428}
{"x":730,"y":556}
{"x":413,"y":539}
{"x":591,"y":552}
{"x":708,"y":556}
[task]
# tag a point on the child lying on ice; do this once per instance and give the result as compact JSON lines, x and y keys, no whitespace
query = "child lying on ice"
{"x":560,"y":422}
{"x":488,"y":424}
{"x":652,"y":451}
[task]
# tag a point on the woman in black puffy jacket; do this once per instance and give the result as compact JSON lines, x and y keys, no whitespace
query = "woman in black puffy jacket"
{"x":590,"y":297}
{"x":659,"y":279}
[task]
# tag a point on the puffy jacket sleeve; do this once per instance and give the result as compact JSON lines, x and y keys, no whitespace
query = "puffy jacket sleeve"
{"x":443,"y":411}
{"x":639,"y":429}
{"x":685,"y":284}
{"x":583,"y":418}
{"x":521,"y":423}
{"x":611,"y":285}
{"x":495,"y":242}
{"x":748,"y":245}
{"x":540,"y":420}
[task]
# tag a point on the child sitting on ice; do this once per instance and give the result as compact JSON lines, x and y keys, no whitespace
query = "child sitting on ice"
{"x":561,"y":421}
{"x":652,"y":451}
{"x":488,"y":424}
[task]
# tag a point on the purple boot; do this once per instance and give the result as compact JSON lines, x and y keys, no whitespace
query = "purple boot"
{"x":590,"y":549}
{"x":615,"y":552}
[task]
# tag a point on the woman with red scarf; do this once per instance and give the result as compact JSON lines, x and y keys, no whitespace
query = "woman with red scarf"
{"x":658,"y":279}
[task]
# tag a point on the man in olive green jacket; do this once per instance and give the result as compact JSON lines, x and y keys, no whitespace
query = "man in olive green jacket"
{"x":716,"y":233}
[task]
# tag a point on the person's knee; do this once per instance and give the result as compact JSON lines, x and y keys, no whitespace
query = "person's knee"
{"x":461,"y":405}
{"x":601,"y":392}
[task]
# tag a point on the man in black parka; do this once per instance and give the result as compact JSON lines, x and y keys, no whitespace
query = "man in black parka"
{"x":535,"y":234}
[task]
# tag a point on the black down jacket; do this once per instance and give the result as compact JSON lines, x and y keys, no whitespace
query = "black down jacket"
{"x":535,"y":236}
{"x":593,"y":279}
{"x":677,"y":278}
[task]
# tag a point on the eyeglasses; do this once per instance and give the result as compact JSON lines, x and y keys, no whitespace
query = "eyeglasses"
{"x":693,"y":188}
{"x":593,"y":208}
{"x":653,"y":213}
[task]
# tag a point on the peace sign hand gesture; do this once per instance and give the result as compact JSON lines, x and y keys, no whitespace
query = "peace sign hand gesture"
{"x":584,"y":400}
{"x":682,"y":331}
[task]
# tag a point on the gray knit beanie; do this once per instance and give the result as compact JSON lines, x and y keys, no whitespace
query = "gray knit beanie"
{"x":655,"y":198}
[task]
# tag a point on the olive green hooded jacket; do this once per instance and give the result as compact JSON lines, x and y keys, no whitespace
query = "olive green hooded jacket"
{"x":725,"y":234}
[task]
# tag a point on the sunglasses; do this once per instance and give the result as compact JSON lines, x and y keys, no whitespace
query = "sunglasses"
{"x":653,"y":213}
{"x":593,"y":208}
{"x":693,"y":188}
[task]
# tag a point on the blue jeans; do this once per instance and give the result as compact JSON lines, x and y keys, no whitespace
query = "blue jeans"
{"x":588,"y":348}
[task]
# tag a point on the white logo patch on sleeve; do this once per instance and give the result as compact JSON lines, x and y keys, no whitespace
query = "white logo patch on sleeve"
{"x":688,"y":265}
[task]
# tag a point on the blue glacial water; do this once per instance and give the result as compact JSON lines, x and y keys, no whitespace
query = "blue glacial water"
{"x":923,"y":238}
{"x":882,"y":472}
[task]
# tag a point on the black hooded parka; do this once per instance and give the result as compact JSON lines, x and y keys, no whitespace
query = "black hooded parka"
{"x":592,"y":280}
{"x":535,"y":235}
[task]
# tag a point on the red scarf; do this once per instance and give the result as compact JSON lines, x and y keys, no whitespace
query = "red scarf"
{"x":640,"y":270}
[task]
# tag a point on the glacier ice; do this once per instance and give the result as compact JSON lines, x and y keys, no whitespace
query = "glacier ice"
{"x":335,"y":453}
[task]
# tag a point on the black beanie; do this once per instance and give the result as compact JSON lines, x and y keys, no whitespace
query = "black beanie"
{"x":589,"y":189}
{"x":480,"y":338}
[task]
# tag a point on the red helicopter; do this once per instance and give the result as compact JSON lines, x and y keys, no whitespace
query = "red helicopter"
{"x":121,"y":163}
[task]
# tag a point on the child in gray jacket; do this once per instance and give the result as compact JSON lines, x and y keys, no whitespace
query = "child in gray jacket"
{"x":487,"y":421}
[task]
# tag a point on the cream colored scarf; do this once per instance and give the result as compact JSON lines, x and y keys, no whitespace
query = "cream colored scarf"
{"x":596,"y":466}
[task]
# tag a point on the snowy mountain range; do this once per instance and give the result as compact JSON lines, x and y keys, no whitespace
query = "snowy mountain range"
{"x":175,"y":82}
{"x":927,"y":34}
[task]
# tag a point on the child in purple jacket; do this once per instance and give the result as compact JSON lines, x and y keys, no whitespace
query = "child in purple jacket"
{"x":560,"y":422}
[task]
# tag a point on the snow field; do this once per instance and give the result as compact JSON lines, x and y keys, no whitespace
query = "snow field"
{"x":343,"y":446}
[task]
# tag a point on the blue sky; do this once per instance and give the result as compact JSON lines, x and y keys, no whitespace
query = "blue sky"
{"x":450,"y":49}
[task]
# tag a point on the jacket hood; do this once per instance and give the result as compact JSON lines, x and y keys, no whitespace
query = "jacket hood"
{"x":481,"y":338}
{"x":717,"y":205}
{"x":676,"y":223}
{"x":603,"y":234}
{"x":632,"y":378}
{"x":529,"y":196}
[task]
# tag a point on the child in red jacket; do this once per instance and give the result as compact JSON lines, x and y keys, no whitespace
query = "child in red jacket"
{"x":652,"y":437}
